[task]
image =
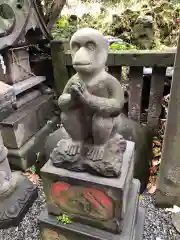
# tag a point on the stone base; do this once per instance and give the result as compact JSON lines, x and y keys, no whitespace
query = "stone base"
{"x":90,"y":199}
{"x":7,"y":97}
{"x":31,"y":82}
{"x":15,"y":203}
{"x":20,"y":126}
{"x":162,"y":200}
{"x":132,"y":228}
{"x":139,"y":229}
{"x":26,"y":156}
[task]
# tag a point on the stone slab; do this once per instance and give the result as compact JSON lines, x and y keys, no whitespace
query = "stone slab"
{"x":27,"y":97}
{"x":14,"y":205}
{"x":6,"y":111}
{"x":26,"y":156}
{"x":31,"y":82}
{"x":7,"y":98}
{"x":20,"y":126}
{"x":6,"y":94}
{"x":77,"y":231}
{"x":140,"y":224}
{"x":104,"y":199}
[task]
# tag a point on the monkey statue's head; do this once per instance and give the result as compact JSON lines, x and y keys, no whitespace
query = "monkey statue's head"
{"x":89,"y":50}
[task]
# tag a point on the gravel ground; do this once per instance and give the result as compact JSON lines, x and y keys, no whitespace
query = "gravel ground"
{"x":158,"y":224}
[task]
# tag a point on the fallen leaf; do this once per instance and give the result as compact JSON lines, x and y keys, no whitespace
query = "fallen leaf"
{"x":155,"y":162}
{"x":151,"y":189}
{"x":140,"y":197}
{"x":34,"y":178}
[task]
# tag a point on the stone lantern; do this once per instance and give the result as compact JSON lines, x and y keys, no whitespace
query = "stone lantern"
{"x":17,"y":193}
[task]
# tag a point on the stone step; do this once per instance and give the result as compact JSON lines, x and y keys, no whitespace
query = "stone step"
{"x":21,"y":125}
{"x":106,"y":196}
{"x":26,"y":156}
{"x":27,"y":97}
{"x":22,"y":86}
{"x":140,"y":224}
{"x":49,"y":226}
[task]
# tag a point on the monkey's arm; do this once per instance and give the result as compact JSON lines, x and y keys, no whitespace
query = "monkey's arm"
{"x":66,"y":101}
{"x":107,"y":106}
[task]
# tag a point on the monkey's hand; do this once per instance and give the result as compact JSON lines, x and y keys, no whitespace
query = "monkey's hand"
{"x":65,"y":101}
{"x":79,"y":91}
{"x":77,"y":88}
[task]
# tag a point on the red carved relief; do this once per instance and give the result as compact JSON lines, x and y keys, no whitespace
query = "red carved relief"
{"x":83,"y":201}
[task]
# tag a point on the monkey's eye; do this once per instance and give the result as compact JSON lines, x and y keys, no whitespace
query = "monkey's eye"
{"x":91,"y":46}
{"x":75,"y":46}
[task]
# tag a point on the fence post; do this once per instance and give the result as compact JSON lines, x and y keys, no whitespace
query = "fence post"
{"x":59,"y":65}
{"x":168,"y":184}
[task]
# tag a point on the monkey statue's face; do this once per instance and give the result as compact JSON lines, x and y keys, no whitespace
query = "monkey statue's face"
{"x":89,"y":50}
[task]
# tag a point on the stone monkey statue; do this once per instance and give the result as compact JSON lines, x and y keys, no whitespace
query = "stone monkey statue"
{"x":92,"y":104}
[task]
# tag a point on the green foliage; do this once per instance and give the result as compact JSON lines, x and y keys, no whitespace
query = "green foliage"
{"x":33,"y":169}
{"x":122,"y":46}
{"x":64,"y":29}
{"x":64,"y":219}
{"x":124,"y":24}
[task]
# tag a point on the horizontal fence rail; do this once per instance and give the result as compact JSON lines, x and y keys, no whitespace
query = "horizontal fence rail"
{"x":136,"y":58}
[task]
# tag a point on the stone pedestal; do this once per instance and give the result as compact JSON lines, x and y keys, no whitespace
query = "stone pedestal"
{"x":15,"y":203}
{"x":20,"y":126}
{"x":111,"y":194}
{"x":99,"y":207}
{"x":17,"y":193}
{"x":132,"y":226}
{"x":26,"y":156}
{"x":24,"y":131}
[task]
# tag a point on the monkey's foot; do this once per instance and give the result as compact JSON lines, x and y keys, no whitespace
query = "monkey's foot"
{"x":67,"y":155}
{"x":106,"y":160}
{"x":96,"y":153}
{"x":73,"y":148}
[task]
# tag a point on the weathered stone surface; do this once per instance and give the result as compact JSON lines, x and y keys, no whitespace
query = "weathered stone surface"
{"x":26,"y":156}
{"x":7,"y":98}
{"x":6,"y":182}
{"x":91,"y":103}
{"x":6,"y":111}
{"x":143,"y":31}
{"x":168,"y":183}
{"x":59,"y":68}
{"x":176,"y":220}
{"x":106,"y":197}
{"x":22,"y":86}
{"x":19,"y":18}
{"x":18,"y":66}
{"x":132,"y":227}
{"x":140,"y":223}
{"x":6,"y":93}
{"x":14,"y":205}
{"x":131,"y":131}
{"x":27,"y":97}
{"x":102,"y":166}
{"x":20,"y":126}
